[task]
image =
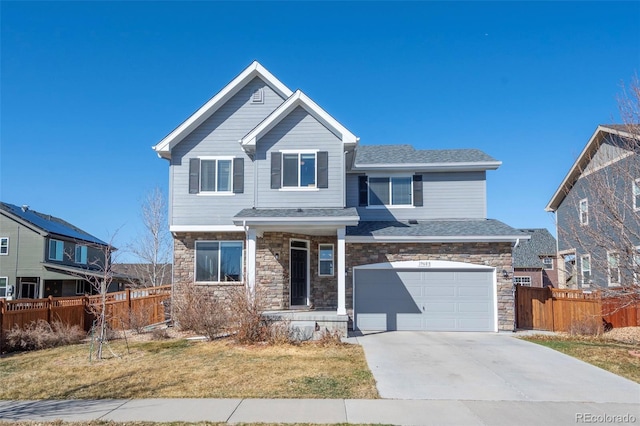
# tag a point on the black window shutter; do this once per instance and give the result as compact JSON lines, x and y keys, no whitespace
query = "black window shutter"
{"x":194,"y":175}
{"x":238,"y":175}
{"x":276,"y":166}
{"x":417,"y":190}
{"x":323,"y":169}
{"x":363,"y":191}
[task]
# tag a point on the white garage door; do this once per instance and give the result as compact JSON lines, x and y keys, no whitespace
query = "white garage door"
{"x":399,"y":297}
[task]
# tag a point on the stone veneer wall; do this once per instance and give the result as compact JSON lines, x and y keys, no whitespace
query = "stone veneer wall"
{"x":272,"y":275}
{"x":184,"y":263}
{"x":497,"y":255}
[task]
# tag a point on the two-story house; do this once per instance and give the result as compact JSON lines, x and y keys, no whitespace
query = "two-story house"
{"x":535,"y":260}
{"x":268,"y":190}
{"x":597,"y":207}
{"x":42,"y":255}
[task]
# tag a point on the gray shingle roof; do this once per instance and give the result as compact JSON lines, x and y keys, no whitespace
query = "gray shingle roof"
{"x":528,"y":252}
{"x":406,"y":154}
{"x":50,"y":224}
{"x":296,"y":213}
{"x":434,"y":228}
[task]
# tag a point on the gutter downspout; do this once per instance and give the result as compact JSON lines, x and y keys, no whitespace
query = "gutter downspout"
{"x":513,"y":285}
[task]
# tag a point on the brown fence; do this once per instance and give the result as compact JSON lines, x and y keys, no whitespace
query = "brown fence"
{"x":558,"y":309}
{"x":129,"y":308}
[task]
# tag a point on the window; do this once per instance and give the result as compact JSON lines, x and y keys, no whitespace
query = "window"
{"x":83,"y":287}
{"x":325,"y":263}
{"x":547,"y":262}
{"x":4,"y":246}
{"x":4,"y":283}
{"x":613,"y":262}
{"x":525,"y":281}
{"x":584,"y":212}
{"x":636,"y":194}
{"x":215,"y":175}
{"x":81,"y":254}
{"x":299,"y":170}
{"x":56,"y":250}
{"x":390,"y":191}
{"x":218,"y":261}
{"x":585,"y":269}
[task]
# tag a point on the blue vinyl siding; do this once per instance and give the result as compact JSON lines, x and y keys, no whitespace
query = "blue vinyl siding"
{"x":460,"y":195}
{"x":300,"y":131}
{"x":218,"y":136}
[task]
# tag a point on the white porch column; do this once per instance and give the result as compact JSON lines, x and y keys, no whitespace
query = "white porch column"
{"x":251,"y":260}
{"x":340,"y":253}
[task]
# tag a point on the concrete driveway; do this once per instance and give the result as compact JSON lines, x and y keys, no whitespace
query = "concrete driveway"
{"x":485,"y":367}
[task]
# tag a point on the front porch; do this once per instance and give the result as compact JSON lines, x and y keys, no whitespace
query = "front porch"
{"x":310,"y":324}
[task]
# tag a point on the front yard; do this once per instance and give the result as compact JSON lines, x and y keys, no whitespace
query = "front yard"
{"x":177,"y":368}
{"x":616,"y":356}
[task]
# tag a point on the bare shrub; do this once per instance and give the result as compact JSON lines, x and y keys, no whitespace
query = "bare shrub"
{"x":41,"y":335}
{"x":587,"y":326}
{"x":139,"y":319}
{"x":201,"y":313}
{"x":160,"y":333}
{"x":330,"y":337}
{"x":246,"y":315}
{"x":281,"y":333}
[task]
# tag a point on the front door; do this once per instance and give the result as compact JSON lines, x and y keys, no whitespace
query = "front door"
{"x":298,"y":274}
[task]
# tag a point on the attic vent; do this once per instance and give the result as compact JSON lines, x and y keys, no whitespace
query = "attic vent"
{"x":258,"y":96}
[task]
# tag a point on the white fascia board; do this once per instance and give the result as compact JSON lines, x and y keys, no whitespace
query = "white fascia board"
{"x":297,"y":221}
{"x":436,"y":239}
{"x":205,"y":228}
{"x":163,"y":148}
{"x":295,"y":100}
{"x":579,"y":165}
{"x":432,"y":167}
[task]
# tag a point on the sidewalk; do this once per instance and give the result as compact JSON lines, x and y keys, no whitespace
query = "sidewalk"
{"x":326,"y":411}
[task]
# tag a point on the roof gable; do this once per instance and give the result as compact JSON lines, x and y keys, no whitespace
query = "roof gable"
{"x":47,"y":223}
{"x":589,"y":154}
{"x":297,"y":99}
{"x":163,"y":148}
{"x":528,"y":254}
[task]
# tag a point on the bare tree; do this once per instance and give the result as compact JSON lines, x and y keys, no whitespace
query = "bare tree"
{"x":153,"y":246}
{"x":603,"y":222}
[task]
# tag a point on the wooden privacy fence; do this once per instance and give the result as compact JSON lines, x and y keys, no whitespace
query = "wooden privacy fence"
{"x":559,"y":309}
{"x":132,"y":307}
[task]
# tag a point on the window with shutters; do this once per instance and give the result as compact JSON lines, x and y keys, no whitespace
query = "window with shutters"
{"x":390,"y":191}
{"x":304,"y":169}
{"x":216,"y":175}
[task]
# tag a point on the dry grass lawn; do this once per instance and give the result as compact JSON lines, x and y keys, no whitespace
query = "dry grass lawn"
{"x":607,"y":354}
{"x":177,"y":368}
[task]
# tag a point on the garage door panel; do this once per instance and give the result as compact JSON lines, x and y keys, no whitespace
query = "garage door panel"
{"x":387,"y":299}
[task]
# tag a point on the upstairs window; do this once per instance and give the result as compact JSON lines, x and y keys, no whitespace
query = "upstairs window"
{"x":56,"y":250}
{"x":584,"y":212}
{"x":390,"y":191}
{"x":636,"y":194}
{"x":81,"y":254}
{"x":299,"y":170}
{"x":524,"y":281}
{"x":547,"y":263}
{"x":4,"y":246}
{"x":216,"y":175}
{"x":613,"y":261}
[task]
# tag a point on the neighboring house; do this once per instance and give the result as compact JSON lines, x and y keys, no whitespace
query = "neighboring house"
{"x":144,"y":274}
{"x":534,"y":260}
{"x":597,"y":206}
{"x":42,"y":255}
{"x":269,"y":190}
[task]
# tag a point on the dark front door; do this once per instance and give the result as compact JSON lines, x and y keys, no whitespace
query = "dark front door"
{"x":298,"y":277}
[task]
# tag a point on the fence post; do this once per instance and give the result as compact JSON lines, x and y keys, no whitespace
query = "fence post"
{"x":2,"y":308}
{"x":50,"y":302}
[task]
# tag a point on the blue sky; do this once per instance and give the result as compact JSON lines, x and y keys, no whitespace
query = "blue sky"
{"x":88,"y":87}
